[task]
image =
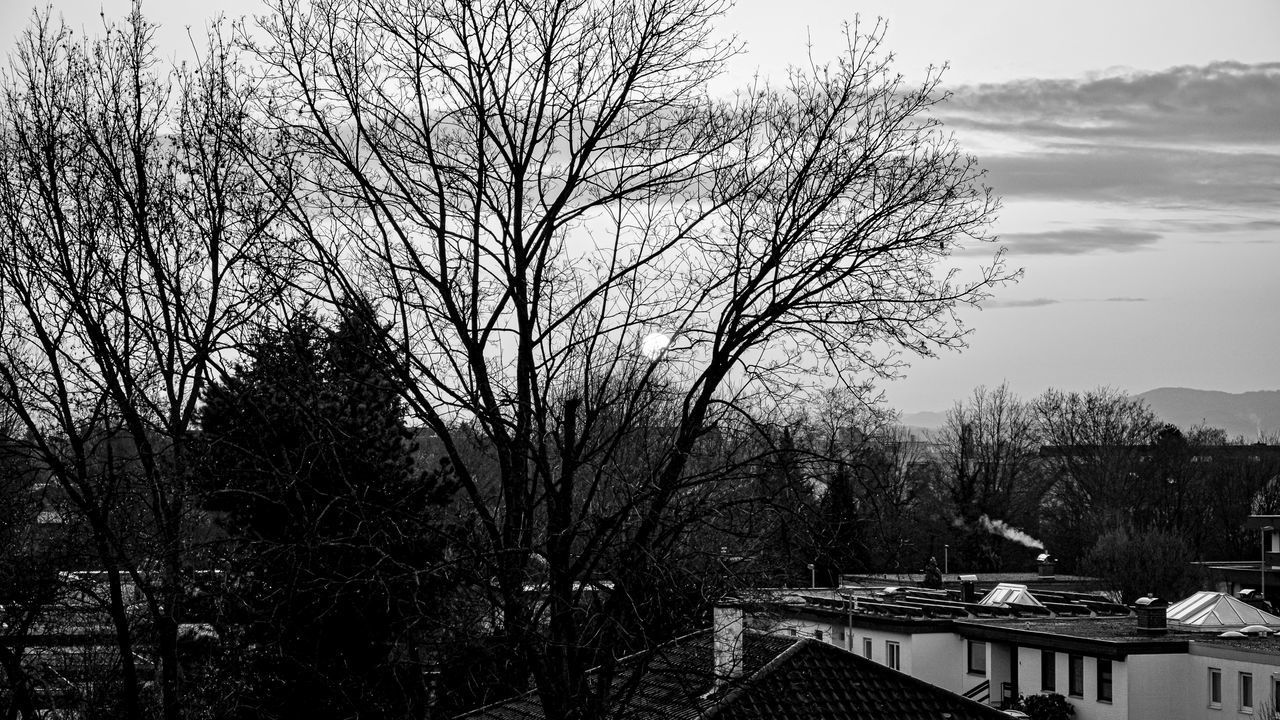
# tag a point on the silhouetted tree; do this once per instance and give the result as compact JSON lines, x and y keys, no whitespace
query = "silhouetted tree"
{"x":839,"y":541}
{"x":559,"y":219}
{"x":1135,"y":563}
{"x":131,"y":240}
{"x":989,"y":449}
{"x":338,"y":560}
{"x":1095,"y":443}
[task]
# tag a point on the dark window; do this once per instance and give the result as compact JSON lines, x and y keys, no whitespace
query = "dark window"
{"x":1104,"y":680}
{"x":1215,"y":687}
{"x":1048,"y":670}
{"x":977,"y":658}
{"x":866,"y":648}
{"x":1246,"y":691}
{"x":791,"y":631}
{"x":893,"y":656}
{"x":1075,"y":675}
{"x":817,"y":635}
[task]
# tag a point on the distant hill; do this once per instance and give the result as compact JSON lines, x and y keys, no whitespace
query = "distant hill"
{"x":923,"y":420}
{"x":1240,"y":414}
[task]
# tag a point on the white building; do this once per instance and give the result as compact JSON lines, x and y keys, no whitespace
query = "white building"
{"x":1110,"y":663}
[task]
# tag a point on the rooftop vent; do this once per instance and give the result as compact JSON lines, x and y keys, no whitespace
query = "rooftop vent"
{"x":1046,"y":565}
{"x":1152,"y":619}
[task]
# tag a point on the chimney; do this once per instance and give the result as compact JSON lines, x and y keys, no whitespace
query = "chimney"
{"x":968,"y":588}
{"x":1152,"y":619}
{"x":726,"y":645}
{"x":1046,"y":565}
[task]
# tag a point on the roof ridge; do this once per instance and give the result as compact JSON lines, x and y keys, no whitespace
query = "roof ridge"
{"x":764,"y":671}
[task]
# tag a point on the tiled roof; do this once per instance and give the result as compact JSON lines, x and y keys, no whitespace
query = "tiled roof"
{"x":816,"y":681}
{"x":785,"y":678}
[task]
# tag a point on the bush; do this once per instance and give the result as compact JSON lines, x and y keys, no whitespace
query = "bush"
{"x":1137,"y":562}
{"x":1050,"y":706}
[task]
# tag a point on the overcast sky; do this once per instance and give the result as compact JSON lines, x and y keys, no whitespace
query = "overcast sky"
{"x":1136,"y":144}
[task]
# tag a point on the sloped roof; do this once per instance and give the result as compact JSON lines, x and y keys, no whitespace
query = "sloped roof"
{"x":1210,"y":609}
{"x":785,"y":678}
{"x":1010,"y":593}
{"x":816,"y":681}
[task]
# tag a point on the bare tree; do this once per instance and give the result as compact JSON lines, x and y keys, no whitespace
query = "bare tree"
{"x":989,"y":448}
{"x":1095,"y":443}
{"x":896,"y":477}
{"x":567,"y":232}
{"x":129,"y":234}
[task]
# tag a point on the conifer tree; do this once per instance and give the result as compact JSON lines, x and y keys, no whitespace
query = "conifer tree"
{"x":337,"y":562}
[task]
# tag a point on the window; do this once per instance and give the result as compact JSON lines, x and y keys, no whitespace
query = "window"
{"x":892,"y":654}
{"x":791,"y":631}
{"x":866,"y":648}
{"x":817,"y":635}
{"x":977,"y":658}
{"x":1104,"y":680}
{"x":1215,"y":688}
{"x":1075,"y":675}
{"x":1048,"y":670}
{"x":840,"y":634}
{"x":1246,"y":692}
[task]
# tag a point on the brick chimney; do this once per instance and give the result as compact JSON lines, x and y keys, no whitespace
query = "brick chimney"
{"x":1152,"y":619}
{"x":728,"y":623}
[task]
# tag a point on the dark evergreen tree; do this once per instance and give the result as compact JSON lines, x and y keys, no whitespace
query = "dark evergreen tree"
{"x":841,"y":546}
{"x":336,"y":560}
{"x":784,"y":522}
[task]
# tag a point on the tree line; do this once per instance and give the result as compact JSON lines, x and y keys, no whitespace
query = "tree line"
{"x":1094,"y":479}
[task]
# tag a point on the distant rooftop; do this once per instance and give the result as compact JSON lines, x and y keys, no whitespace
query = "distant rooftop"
{"x":952,"y":580}
{"x":1119,"y":632}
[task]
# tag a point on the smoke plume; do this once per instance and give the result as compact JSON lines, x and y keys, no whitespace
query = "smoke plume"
{"x":1000,"y":527}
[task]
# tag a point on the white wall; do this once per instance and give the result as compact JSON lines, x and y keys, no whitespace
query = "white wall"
{"x":936,"y":658}
{"x":1088,"y":706}
{"x":939,"y":658}
{"x":1194,"y":682}
{"x":1159,"y":686}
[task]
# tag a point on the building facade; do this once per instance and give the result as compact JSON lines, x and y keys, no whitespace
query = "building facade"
{"x":1105,"y":661}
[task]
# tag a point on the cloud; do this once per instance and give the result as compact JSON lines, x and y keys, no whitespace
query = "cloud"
{"x":1078,"y":241}
{"x":1223,"y":102}
{"x":996,"y":304}
{"x":1169,"y":176}
{"x":1190,"y":136}
{"x":1034,"y":302}
{"x":1221,"y":226}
